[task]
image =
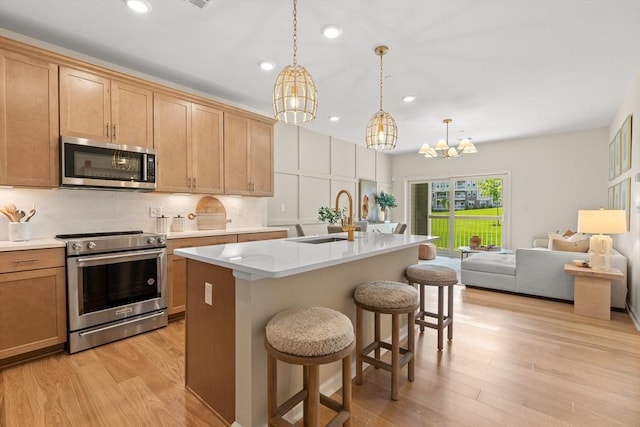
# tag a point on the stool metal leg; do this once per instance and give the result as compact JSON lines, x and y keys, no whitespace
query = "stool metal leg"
{"x":440,"y":316}
{"x":359,"y":337}
{"x":450,"y":313}
{"x":395,"y":355}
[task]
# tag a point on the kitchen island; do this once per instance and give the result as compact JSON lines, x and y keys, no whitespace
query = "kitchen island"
{"x":234,"y":289}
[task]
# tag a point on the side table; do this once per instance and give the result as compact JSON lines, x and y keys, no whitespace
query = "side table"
{"x":592,"y":290}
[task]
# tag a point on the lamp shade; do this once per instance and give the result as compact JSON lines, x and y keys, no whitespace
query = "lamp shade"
{"x":602,"y":221}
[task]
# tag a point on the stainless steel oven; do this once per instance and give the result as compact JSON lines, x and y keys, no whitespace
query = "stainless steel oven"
{"x":116,"y":286}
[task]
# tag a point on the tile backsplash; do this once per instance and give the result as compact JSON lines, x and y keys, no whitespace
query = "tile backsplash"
{"x":77,"y":211}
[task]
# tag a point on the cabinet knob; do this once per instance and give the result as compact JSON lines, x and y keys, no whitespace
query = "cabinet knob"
{"x":107,"y":129}
{"x":114,"y":131}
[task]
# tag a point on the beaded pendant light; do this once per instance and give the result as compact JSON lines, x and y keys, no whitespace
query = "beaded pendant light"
{"x":295,"y":98}
{"x":382,"y":132}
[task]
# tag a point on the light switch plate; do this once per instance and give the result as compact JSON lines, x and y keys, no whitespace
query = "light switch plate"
{"x":208,"y":293}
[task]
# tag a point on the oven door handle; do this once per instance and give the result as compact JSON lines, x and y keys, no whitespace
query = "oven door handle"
{"x":138,"y":255}
{"x":119,"y":324}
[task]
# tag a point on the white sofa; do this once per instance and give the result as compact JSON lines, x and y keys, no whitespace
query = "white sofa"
{"x":535,"y":271}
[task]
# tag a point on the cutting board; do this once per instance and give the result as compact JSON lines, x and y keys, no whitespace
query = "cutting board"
{"x":210,"y":204}
{"x":211,"y":214}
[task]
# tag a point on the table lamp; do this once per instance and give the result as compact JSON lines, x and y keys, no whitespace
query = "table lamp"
{"x":598,"y":222}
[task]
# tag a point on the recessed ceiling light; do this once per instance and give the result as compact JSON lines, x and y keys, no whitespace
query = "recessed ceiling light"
{"x":139,"y":6}
{"x":266,"y":65}
{"x":331,"y":31}
{"x":409,"y":98}
{"x":334,"y":118}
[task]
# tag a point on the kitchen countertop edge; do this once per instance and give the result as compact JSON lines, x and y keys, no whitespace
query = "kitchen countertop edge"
{"x":6,"y":246}
{"x":226,"y":232}
{"x":311,"y":261}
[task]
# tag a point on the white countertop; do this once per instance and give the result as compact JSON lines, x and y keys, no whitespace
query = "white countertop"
{"x":225,"y":232}
{"x":286,"y":257}
{"x":31,"y":244}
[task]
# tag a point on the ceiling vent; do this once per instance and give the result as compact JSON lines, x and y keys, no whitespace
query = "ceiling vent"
{"x":199,"y":3}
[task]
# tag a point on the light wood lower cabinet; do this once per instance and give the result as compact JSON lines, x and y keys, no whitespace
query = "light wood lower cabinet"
{"x":32,"y":301}
{"x":177,"y":265}
{"x":177,"y":269}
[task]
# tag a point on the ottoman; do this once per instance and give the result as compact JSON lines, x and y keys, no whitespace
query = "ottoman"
{"x":489,"y":270}
{"x":427,"y":251}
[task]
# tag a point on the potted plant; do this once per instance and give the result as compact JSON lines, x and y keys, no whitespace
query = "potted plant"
{"x":385,"y":201}
{"x":327,"y":214}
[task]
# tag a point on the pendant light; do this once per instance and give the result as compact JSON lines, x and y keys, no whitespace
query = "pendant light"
{"x":382,"y":132}
{"x":295,"y":98}
{"x":442,"y":150}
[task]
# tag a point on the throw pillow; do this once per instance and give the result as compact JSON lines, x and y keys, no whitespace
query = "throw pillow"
{"x":577,"y":237}
{"x":568,"y":233}
{"x":563,"y":245}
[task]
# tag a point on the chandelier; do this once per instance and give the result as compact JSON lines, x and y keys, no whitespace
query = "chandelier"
{"x":295,"y":98}
{"x":382,"y":132}
{"x":442,"y":150}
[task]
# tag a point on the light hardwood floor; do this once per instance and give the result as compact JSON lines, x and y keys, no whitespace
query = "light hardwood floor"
{"x":514,"y":361}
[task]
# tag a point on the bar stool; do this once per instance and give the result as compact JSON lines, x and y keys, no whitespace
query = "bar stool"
{"x":386,"y":297}
{"x":434,"y":275}
{"x":310,"y":336}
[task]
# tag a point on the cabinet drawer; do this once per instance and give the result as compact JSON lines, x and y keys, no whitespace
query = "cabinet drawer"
{"x":191,"y":242}
{"x":252,"y":237}
{"x":31,"y":259}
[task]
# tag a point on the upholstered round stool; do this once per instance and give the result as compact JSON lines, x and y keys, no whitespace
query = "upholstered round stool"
{"x":310,"y":336}
{"x":434,"y":275}
{"x":427,"y":251}
{"x":392,"y":298}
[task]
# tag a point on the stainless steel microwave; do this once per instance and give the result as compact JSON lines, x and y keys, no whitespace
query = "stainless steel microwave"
{"x":88,"y":163}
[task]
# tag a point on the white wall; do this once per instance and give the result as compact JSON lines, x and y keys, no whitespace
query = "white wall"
{"x":551,"y":178}
{"x":310,"y":170}
{"x":61,"y":211}
{"x":629,"y":243}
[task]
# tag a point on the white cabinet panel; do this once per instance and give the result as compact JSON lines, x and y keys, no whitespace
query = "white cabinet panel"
{"x":383,"y":168}
{"x":314,"y":192}
{"x":286,"y":147}
{"x":365,"y":163}
{"x":284,"y":203}
{"x":343,"y":158}
{"x":315,"y":152}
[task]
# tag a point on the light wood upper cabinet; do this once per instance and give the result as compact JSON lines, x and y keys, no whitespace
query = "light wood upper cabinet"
{"x":28,"y":121}
{"x":206,"y":150}
{"x":248,"y":156}
{"x":95,"y":107}
{"x":172,"y":142}
{"x":188,"y":143}
{"x":131,"y":114}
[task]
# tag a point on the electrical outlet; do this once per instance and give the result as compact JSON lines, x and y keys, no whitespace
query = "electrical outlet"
{"x":155,"y":212}
{"x":282,"y":207}
{"x":208,"y":293}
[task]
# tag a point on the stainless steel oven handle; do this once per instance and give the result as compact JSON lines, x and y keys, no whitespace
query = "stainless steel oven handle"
{"x":117,"y":325}
{"x":132,"y":255}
